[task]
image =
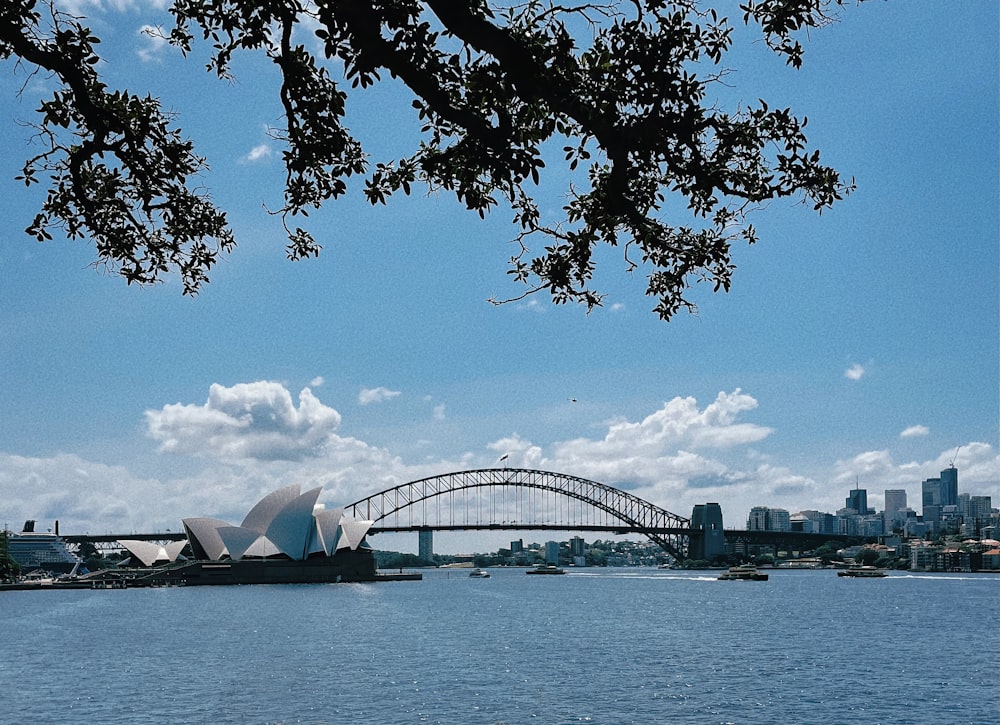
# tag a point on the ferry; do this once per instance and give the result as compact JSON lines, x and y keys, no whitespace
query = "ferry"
{"x":863,"y":572}
{"x":546,"y":569}
{"x":478,"y":573}
{"x":743,"y":573}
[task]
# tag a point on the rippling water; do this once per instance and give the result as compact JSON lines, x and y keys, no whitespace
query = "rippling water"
{"x":596,"y":645}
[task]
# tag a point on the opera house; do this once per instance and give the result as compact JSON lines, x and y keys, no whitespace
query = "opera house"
{"x":285,"y":538}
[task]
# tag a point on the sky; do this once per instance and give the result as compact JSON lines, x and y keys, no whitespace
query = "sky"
{"x":857,"y":347}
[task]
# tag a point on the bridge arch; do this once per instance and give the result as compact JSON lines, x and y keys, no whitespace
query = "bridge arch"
{"x":457,"y":501}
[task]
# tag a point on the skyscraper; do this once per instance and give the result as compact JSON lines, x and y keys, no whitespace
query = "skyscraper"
{"x":757,"y":519}
{"x":895,"y":503}
{"x":949,"y":486}
{"x":858,"y":500}
{"x":931,"y":492}
{"x":980,"y":508}
{"x":940,"y":492}
{"x":895,"y":499}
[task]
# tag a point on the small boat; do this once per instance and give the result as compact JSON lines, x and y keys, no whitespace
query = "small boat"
{"x":478,"y":573}
{"x":743,"y":573}
{"x":546,"y":569}
{"x":863,"y":572}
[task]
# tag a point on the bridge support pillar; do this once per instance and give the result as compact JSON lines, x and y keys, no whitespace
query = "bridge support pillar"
{"x":425,"y":544}
{"x":710,"y":541}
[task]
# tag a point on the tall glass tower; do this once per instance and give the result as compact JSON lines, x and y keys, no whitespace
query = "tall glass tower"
{"x":949,"y":486}
{"x":858,"y":500}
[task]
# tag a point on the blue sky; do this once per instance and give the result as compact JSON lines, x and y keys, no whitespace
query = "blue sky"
{"x":857,"y":345}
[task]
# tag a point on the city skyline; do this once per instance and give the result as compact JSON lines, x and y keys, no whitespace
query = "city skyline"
{"x":941,"y":507}
{"x":859,"y":345}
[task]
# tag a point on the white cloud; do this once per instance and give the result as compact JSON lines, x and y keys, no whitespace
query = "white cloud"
{"x":438,"y":413}
{"x":249,"y":420}
{"x":855,"y":372}
{"x":367,"y":396}
{"x":154,"y":44}
{"x":679,"y":423}
{"x":520,"y":452}
{"x":317,"y":382}
{"x":915,"y":431}
{"x":260,"y":152}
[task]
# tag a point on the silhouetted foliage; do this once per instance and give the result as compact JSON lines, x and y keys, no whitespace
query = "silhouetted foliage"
{"x":624,"y":87}
{"x":9,"y":569}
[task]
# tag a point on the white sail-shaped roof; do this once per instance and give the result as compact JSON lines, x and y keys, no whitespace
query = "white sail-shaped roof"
{"x":315,"y":543}
{"x":284,"y":522}
{"x":291,"y":527}
{"x":262,"y":548}
{"x":204,"y":535}
{"x":328,"y":524}
{"x":261,"y":515}
{"x":146,"y":551}
{"x":237,"y":539}
{"x":174,"y":549}
{"x":353,"y":533}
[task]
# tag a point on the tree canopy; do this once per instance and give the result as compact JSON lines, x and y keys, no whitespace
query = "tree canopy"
{"x":624,"y":87}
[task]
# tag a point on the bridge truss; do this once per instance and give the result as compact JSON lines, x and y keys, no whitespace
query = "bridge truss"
{"x":516,"y":498}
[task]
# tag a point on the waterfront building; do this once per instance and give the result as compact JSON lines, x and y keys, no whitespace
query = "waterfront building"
{"x":981,"y":509}
{"x":922,"y":555}
{"x":953,"y":558}
{"x":822,"y":523}
{"x":551,"y":552}
{"x":798,"y":522}
{"x":854,"y":524}
{"x":763,"y":518}
{"x":991,"y":559}
{"x":757,"y":519}
{"x":779,"y":520}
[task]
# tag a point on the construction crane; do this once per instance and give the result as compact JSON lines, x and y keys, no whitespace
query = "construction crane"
{"x":952,"y":464}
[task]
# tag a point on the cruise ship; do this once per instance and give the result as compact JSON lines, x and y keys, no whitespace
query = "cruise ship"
{"x":34,"y":550}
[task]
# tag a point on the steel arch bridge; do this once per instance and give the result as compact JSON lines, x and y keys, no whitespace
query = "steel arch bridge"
{"x":516,"y":498}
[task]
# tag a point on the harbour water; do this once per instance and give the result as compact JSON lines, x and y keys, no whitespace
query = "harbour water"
{"x":597,"y":645}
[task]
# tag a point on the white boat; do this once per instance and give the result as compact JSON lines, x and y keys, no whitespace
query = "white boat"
{"x":478,"y":573}
{"x":863,"y":572}
{"x":743,"y":573}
